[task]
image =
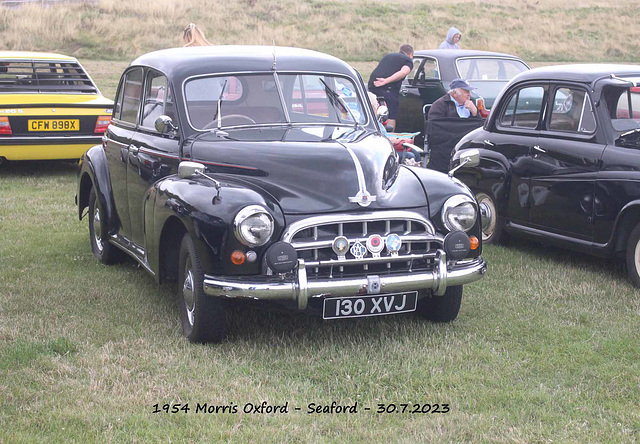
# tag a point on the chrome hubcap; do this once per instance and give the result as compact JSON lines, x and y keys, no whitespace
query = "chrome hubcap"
{"x":487,"y":216}
{"x":636,"y":257}
{"x":188,"y":291}
{"x":97,"y":229}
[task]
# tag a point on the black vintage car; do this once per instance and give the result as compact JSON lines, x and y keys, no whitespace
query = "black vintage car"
{"x":433,"y":71}
{"x":260,"y":173}
{"x":560,"y":161}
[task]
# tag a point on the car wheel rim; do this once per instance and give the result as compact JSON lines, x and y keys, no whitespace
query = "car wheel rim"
{"x":487,"y":215}
{"x":636,"y":257}
{"x":97,"y":229}
{"x":188,"y":291}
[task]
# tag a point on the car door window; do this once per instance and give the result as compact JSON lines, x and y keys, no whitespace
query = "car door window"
{"x":155,"y":94}
{"x":523,"y":108}
{"x":415,"y":70}
{"x":132,"y":91}
{"x":572,"y":111}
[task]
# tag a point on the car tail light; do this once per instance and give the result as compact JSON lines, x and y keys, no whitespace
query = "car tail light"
{"x":102,"y":122}
{"x":5,"y":126}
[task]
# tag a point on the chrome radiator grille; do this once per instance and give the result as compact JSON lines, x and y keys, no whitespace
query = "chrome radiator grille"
{"x":313,"y":239}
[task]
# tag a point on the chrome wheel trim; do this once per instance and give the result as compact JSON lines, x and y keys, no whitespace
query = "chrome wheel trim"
{"x":636,"y":257}
{"x":97,"y":229}
{"x":488,"y":216}
{"x":188,"y":291}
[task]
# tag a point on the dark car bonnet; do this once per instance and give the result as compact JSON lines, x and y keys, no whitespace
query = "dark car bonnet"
{"x":313,"y":169}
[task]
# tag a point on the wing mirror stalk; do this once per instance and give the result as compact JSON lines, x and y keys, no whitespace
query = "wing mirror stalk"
{"x":188,"y":169}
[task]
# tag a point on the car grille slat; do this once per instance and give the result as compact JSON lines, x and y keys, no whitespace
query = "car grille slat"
{"x":313,"y":239}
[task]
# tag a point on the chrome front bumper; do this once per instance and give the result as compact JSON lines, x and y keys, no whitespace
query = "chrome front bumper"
{"x":300,"y":289}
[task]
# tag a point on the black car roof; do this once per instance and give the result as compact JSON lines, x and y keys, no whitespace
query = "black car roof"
{"x":585,"y":73}
{"x":452,"y":54}
{"x":189,"y":61}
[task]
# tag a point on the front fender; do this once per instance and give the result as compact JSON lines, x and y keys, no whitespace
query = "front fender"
{"x":208,"y":221}
{"x":94,"y":172}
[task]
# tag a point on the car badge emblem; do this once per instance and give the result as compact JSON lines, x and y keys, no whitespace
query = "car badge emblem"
{"x":358,"y":250}
{"x":393,"y":244}
{"x":375,"y":244}
{"x":340,"y":246}
{"x":363,"y":198}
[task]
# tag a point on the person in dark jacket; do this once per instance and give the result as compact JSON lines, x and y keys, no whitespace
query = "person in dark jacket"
{"x":386,"y":79}
{"x":456,"y":103}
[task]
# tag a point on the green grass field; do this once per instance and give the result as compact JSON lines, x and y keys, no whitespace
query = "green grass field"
{"x":545,"y":349}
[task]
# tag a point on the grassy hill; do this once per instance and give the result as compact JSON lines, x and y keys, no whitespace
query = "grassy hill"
{"x":355,"y":30}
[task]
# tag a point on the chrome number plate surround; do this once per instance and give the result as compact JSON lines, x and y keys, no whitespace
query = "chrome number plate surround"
{"x":371,"y":305}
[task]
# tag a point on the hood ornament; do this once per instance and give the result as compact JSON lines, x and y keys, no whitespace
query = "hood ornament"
{"x":363,"y":198}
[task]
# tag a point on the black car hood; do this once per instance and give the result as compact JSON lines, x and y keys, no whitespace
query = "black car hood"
{"x":312,"y":169}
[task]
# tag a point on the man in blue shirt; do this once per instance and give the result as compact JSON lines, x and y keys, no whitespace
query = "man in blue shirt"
{"x":456,"y":103}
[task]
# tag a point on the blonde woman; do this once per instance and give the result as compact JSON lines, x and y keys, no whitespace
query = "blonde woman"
{"x":193,"y":36}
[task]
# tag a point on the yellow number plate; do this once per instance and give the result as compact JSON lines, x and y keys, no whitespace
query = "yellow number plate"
{"x":54,"y":125}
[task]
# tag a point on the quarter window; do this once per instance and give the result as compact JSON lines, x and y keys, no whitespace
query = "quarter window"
{"x":572,"y":111}
{"x":524,"y":108}
{"x":132,"y":90}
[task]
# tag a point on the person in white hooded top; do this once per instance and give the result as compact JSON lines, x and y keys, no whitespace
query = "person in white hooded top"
{"x":453,"y":37}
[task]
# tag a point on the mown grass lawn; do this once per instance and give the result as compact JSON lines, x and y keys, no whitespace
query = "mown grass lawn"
{"x":545,"y":349}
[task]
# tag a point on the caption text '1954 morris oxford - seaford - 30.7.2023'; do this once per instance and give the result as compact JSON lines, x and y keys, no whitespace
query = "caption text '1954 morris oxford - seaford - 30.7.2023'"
{"x":260,"y":173}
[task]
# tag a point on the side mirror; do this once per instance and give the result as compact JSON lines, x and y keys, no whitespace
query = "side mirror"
{"x":468,"y":158}
{"x":383,"y":113}
{"x":164,"y":124}
{"x":188,"y":169}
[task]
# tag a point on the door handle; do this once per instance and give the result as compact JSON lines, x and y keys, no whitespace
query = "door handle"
{"x":488,"y":142}
{"x":537,"y":148}
{"x":404,"y":92}
{"x":133,"y":150}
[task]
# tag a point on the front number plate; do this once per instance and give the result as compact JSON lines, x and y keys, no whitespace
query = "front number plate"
{"x":54,"y":125}
{"x":375,"y":305}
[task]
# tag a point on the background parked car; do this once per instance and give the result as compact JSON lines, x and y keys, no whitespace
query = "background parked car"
{"x":220,"y":172}
{"x":434,"y":70}
{"x":559,"y":161}
{"x":49,"y":107}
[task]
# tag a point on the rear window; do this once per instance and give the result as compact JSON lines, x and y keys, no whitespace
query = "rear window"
{"x":492,"y":68}
{"x":44,"y":77}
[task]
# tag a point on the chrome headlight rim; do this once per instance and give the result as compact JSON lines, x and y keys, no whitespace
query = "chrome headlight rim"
{"x":454,"y":202}
{"x":248,"y":212}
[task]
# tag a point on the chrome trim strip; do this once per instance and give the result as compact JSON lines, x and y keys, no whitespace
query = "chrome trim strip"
{"x":124,"y":245}
{"x":343,"y":218}
{"x":300,"y":289}
{"x":372,"y":260}
{"x":362,"y":186}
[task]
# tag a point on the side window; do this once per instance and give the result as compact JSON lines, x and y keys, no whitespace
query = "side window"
{"x":155,"y":94}
{"x":131,"y":96}
{"x":414,"y":71}
{"x":572,"y":111}
{"x":524,"y":108}
{"x":431,"y":69}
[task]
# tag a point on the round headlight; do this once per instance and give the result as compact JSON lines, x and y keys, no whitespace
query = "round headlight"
{"x":253,"y":226}
{"x":459,"y":213}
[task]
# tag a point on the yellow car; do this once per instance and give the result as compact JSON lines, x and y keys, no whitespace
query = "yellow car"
{"x":49,"y":107}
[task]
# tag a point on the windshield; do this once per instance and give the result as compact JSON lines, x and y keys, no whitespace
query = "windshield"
{"x":253,"y":99}
{"x":490,"y":68}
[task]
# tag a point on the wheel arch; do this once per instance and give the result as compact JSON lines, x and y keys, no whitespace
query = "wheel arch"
{"x":627,"y":220}
{"x":171,"y":236}
{"x":94,"y":172}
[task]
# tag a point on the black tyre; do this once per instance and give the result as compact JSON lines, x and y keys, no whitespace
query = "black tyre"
{"x":443,"y":308}
{"x":491,"y":226}
{"x":105,"y":252}
{"x":633,"y":256}
{"x":203,"y":317}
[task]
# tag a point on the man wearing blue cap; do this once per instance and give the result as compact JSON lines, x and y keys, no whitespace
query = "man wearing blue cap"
{"x":456,"y":103}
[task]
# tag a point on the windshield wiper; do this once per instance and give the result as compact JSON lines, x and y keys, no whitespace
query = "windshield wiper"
{"x":218,"y":113}
{"x":333,"y":98}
